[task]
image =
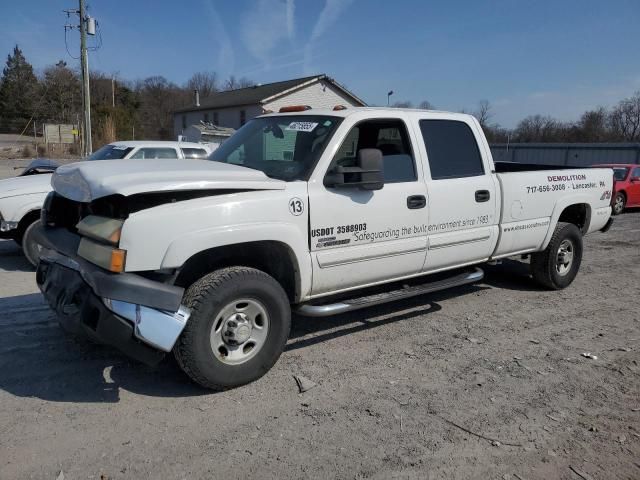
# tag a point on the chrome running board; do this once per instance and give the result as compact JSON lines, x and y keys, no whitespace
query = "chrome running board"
{"x":327,"y":309}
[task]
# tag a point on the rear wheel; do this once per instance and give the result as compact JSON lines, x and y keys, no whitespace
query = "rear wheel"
{"x":619,"y":202}
{"x":557,"y":266}
{"x":30,"y":247}
{"x":239,"y":324}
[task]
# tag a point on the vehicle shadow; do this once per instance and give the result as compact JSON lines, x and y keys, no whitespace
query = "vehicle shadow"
{"x":308,"y":331}
{"x":12,"y":259}
{"x":38,"y":359}
{"x":511,"y":275}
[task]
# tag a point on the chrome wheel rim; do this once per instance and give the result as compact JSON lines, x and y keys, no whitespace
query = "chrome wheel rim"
{"x":239,"y":331}
{"x":564,"y":257}
{"x":619,"y":204}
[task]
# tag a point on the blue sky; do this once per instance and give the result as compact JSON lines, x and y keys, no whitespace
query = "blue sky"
{"x":556,"y":57}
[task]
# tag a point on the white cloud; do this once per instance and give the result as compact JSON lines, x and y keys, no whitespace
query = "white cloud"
{"x":328,"y":16}
{"x":226,"y":55}
{"x":266,"y":25}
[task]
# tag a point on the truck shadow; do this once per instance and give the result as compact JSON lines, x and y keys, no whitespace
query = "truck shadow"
{"x":37,"y":359}
{"x":12,"y":259}
{"x":510,"y":275}
{"x":308,"y":331}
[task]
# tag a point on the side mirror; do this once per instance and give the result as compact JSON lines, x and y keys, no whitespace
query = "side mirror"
{"x":367,"y":174}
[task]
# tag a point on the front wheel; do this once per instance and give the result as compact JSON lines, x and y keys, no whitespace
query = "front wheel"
{"x":619,"y":203}
{"x":239,"y":324}
{"x":557,"y":265}
{"x":30,"y":247}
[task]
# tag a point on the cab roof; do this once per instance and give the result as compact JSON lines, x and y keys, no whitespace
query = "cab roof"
{"x":377,"y":111}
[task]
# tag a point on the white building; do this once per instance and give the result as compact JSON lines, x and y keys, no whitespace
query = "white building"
{"x":234,"y":107}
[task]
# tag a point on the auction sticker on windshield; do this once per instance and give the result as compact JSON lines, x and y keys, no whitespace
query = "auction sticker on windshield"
{"x":302,"y":126}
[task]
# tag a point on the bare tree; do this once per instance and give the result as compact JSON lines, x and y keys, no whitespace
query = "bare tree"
{"x":403,"y":104}
{"x":233,"y":83}
{"x":592,"y":126}
{"x":205,"y":82}
{"x":624,"y":120}
{"x":483,"y":113}
{"x":538,"y":128}
{"x":426,"y":105}
{"x":158,"y":99}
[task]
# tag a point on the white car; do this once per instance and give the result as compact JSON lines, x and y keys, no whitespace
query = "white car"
{"x":21,"y":197}
{"x":318,"y":211}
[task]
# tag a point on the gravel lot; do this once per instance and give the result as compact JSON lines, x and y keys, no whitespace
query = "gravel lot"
{"x":399,"y":388}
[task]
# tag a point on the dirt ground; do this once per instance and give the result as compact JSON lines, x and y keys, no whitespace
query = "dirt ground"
{"x":400,"y":388}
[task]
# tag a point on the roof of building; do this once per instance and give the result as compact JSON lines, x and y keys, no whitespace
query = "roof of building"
{"x":259,"y":94}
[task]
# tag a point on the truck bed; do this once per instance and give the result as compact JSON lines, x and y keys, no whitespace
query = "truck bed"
{"x":532,"y":201}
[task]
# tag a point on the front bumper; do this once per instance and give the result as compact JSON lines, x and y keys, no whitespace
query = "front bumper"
{"x":138,"y":316}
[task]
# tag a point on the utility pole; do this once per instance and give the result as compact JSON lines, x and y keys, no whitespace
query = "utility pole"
{"x":86,"y":98}
{"x":113,"y":92}
{"x":87,"y":27}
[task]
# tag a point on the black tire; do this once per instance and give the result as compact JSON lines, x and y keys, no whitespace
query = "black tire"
{"x":30,"y":247}
{"x":547,"y":268}
{"x":619,"y":203}
{"x":208,"y":298}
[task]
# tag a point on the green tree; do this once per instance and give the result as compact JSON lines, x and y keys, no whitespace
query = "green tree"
{"x":18,"y":89}
{"x":63,"y":99}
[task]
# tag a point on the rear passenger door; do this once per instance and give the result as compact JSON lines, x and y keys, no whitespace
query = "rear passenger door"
{"x":462,"y":192}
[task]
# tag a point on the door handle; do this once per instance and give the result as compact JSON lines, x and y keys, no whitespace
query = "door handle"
{"x":482,"y":196}
{"x":416,"y":201}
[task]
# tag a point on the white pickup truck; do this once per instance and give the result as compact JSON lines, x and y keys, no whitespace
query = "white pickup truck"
{"x":316,"y":211}
{"x":21,"y":197}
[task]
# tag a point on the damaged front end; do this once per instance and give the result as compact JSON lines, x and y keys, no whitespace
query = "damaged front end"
{"x":81,"y":274}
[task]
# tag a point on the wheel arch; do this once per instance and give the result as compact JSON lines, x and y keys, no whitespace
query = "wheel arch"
{"x":27,"y":219}
{"x":577,"y":212}
{"x":273,"y":257}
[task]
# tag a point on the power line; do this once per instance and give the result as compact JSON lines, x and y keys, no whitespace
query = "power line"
{"x":87,"y":26}
{"x":66,"y":45}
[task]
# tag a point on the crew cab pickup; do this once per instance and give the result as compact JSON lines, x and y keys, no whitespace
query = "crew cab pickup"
{"x":315,"y":211}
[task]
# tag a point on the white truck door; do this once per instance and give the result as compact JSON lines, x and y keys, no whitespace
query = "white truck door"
{"x":462,"y":191}
{"x":360,"y":237}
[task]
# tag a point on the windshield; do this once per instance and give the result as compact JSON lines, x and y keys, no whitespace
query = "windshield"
{"x":286,"y":147}
{"x":620,"y":173}
{"x":110,"y":152}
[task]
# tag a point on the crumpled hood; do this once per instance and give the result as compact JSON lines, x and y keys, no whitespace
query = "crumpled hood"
{"x":12,"y":187}
{"x":88,"y":181}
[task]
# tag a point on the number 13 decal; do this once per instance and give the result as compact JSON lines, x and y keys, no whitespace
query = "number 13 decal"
{"x":296,"y":206}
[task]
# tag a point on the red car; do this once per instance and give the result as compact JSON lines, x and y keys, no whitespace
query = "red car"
{"x":626,"y":186}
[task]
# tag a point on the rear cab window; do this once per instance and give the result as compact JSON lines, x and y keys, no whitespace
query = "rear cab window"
{"x":160,"y":152}
{"x":452,"y":149}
